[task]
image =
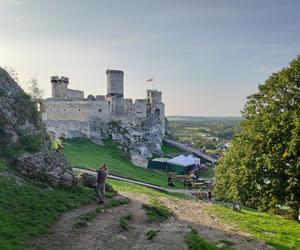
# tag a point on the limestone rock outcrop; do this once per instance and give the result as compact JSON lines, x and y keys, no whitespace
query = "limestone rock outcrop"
{"x":169,"y":133}
{"x":46,"y":166}
{"x":20,"y":121}
{"x":23,"y":133}
{"x":139,"y":142}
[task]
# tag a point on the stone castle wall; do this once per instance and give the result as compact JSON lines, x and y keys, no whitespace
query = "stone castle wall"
{"x":75,"y":94}
{"x":68,"y":108}
{"x":64,"y":110}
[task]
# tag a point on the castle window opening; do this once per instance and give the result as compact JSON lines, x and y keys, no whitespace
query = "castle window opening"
{"x":64,"y":110}
{"x":157,"y":111}
{"x":50,"y":109}
{"x":100,"y":110}
{"x":79,"y":110}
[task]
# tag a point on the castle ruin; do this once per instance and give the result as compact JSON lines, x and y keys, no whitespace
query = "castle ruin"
{"x":68,"y":113}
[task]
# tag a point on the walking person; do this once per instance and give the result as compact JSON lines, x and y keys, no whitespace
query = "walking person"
{"x":209,"y":193}
{"x":57,"y":145}
{"x":102,"y":174}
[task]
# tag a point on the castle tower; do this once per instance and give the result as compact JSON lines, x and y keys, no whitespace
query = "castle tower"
{"x":115,"y":90}
{"x":59,"y":86}
{"x":155,"y":106}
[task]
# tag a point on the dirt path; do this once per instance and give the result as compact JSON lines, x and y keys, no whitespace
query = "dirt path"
{"x":104,"y":232}
{"x":194,"y":213}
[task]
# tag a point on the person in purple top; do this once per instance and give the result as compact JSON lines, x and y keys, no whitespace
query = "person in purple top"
{"x":102,"y":174}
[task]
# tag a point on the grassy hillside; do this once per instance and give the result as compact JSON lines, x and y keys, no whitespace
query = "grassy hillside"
{"x":27,"y":210}
{"x":171,"y":150}
{"x":277,"y":231}
{"x":84,"y":153}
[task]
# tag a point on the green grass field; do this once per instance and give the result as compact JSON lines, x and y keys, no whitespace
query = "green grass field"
{"x":84,"y":153}
{"x":27,"y":210}
{"x":171,"y":150}
{"x":277,"y":231}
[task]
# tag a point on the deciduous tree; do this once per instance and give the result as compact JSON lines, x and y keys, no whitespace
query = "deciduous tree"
{"x":262,"y":167}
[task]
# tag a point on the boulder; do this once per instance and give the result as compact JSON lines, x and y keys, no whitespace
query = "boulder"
{"x":46,"y":166}
{"x":89,"y":180}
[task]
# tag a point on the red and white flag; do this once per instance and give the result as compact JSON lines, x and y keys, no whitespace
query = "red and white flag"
{"x":150,"y":80}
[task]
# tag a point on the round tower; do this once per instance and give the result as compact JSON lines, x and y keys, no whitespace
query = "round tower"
{"x":115,"y":91}
{"x":115,"y":83}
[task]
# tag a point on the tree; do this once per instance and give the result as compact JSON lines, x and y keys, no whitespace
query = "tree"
{"x":35,"y":92}
{"x":262,"y":166}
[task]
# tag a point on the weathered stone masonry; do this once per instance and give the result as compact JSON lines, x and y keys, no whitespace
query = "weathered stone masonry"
{"x":69,"y":114}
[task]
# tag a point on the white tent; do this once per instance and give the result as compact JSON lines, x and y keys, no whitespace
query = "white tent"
{"x":184,"y":161}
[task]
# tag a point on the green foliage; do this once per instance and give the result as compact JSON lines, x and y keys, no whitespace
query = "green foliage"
{"x":29,"y":142}
{"x":123,"y":222}
{"x":275,"y":230}
{"x":196,"y":242}
{"x":84,"y":219}
{"x":2,"y":92}
{"x":25,"y":112}
{"x":27,"y":109}
{"x":262,"y":167}
{"x":151,"y":234}
{"x":27,"y":210}
{"x":84,"y":153}
{"x":157,"y":211}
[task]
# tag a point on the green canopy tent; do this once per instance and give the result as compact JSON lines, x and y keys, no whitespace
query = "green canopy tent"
{"x":158,"y":163}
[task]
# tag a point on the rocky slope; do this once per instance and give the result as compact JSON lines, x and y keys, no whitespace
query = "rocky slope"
{"x":139,"y":142}
{"x":24,"y":139}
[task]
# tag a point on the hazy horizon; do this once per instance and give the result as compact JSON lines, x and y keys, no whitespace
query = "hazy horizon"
{"x":205,"y":56}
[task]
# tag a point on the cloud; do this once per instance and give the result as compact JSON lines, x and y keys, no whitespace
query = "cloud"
{"x":9,"y":3}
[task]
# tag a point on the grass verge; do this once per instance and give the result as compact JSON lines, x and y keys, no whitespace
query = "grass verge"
{"x":195,"y":242}
{"x":27,"y":210}
{"x":277,"y":231}
{"x":122,"y":186}
{"x":156,"y":212}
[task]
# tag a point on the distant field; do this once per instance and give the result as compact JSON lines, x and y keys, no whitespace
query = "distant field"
{"x":84,"y":153}
{"x":208,"y":132}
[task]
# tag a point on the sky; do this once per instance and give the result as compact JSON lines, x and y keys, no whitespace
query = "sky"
{"x":205,"y":56}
